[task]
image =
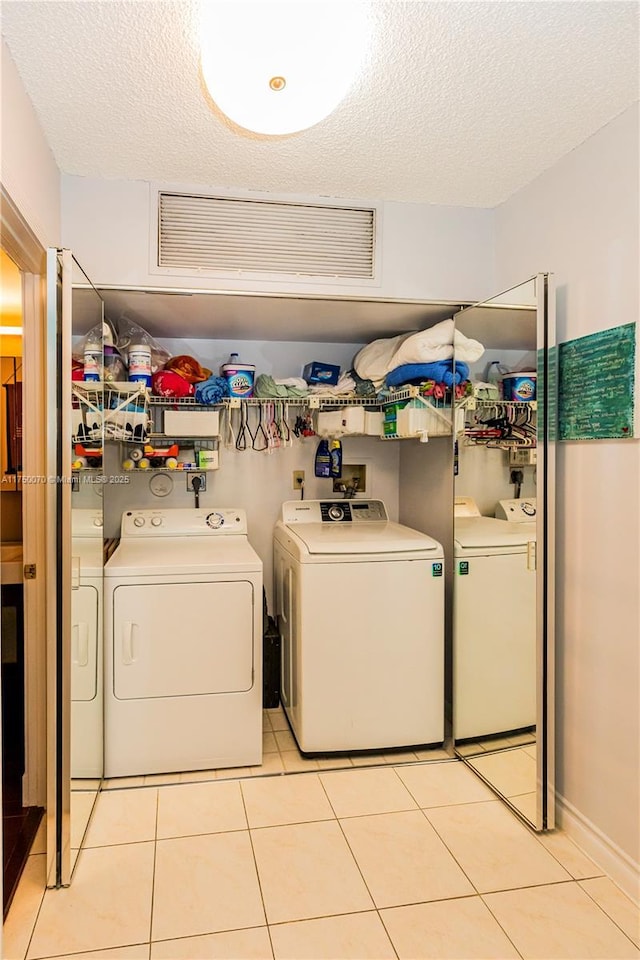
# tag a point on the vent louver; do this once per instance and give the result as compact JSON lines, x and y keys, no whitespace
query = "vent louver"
{"x":257,"y":236}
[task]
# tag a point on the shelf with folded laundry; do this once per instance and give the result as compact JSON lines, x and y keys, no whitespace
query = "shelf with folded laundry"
{"x":499,"y":423}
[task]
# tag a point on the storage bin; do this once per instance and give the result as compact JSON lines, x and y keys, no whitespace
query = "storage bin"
{"x":415,"y":420}
{"x":191,"y":423}
{"x":338,"y":423}
{"x":373,"y":423}
{"x":519,"y":386}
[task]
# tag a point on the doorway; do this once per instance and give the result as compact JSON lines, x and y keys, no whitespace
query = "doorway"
{"x":20,"y":819}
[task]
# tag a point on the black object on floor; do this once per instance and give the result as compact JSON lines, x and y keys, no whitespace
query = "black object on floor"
{"x":270,"y":666}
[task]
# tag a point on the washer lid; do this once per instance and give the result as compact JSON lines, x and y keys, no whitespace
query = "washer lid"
{"x":474,"y":533}
{"x":89,"y":554}
{"x":164,"y":556}
{"x":345,"y":538}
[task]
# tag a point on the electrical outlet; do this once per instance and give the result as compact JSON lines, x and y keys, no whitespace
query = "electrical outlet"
{"x":203,"y":481}
{"x":298,"y":479}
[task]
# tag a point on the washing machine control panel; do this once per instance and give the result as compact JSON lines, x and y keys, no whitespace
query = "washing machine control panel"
{"x":517,"y":511}
{"x":333,"y":511}
{"x":184,"y":522}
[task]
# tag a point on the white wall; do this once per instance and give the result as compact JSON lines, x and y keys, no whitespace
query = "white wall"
{"x":428,"y":252}
{"x":580,"y":221}
{"x":27,"y":169}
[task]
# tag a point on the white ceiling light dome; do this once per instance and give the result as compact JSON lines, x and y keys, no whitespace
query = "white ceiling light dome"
{"x":279,"y":67}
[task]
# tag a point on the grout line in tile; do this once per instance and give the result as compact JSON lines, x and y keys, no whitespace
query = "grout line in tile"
{"x":529,"y":886}
{"x":212,"y":933}
{"x":446,"y":845}
{"x":37,"y":916}
{"x":153,"y":874}
{"x":255,"y":863}
{"x":603,"y":909}
{"x":594,"y":876}
{"x":346,"y":839}
{"x":499,"y":923}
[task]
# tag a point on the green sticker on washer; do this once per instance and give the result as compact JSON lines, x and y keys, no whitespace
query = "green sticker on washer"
{"x":436,"y":569}
{"x":463,"y":568}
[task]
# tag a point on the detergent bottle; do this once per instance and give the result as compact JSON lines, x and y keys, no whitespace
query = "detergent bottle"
{"x":239,"y":376}
{"x":494,"y":374}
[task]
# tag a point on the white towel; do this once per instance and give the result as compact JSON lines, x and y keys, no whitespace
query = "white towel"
{"x":466,"y":349}
{"x":375,"y":360}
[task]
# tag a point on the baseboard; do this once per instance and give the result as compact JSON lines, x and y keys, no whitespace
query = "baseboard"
{"x":617,"y":864}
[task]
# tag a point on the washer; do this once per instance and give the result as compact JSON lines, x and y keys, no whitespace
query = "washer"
{"x":86,"y":644}
{"x":183,"y":618}
{"x":494,"y":621}
{"x":360,"y":607}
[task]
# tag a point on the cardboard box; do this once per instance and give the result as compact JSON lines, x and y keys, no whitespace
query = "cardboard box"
{"x":319,"y":373}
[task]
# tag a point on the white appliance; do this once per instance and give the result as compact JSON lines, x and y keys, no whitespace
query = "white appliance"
{"x":86,"y":644}
{"x":360,"y":608}
{"x":494,"y":620}
{"x":183,"y":621}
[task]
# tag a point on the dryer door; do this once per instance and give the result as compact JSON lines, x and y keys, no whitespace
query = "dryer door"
{"x":182,"y":639}
{"x":84,"y":643}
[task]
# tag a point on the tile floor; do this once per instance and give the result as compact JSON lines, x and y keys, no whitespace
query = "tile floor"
{"x":388,"y":861}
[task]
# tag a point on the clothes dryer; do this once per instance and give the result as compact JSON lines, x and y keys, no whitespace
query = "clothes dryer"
{"x":494,"y":622}
{"x":183,"y":618}
{"x":360,"y":608}
{"x":86,"y":644}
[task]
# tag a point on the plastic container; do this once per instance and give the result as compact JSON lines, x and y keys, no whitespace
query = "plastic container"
{"x":519,"y":386}
{"x":140,"y":363}
{"x":240,"y":377}
{"x":92,"y":361}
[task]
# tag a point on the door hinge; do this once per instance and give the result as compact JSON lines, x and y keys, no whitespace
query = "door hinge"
{"x":29,"y":571}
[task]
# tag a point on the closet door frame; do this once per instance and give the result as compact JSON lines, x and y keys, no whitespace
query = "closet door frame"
{"x":24,"y":248}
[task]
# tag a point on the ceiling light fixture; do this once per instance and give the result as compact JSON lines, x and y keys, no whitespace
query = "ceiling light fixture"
{"x":280,"y":67}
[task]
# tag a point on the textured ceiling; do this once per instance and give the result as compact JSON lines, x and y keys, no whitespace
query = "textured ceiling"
{"x":458,"y":103}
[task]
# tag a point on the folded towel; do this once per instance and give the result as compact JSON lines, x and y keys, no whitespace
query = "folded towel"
{"x":441,"y":371}
{"x":266,"y":386}
{"x":426,"y":346}
{"x":466,"y":349}
{"x":298,"y":382}
{"x":378,"y":358}
{"x":213,"y":390}
{"x":346,"y":386}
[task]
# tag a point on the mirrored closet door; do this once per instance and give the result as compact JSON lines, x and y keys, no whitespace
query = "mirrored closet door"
{"x":74,"y":428}
{"x":503,"y":597}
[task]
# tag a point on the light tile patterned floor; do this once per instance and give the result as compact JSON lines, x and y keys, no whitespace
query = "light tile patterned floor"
{"x":403,"y":862}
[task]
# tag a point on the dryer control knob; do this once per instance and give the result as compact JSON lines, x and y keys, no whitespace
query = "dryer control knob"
{"x":214,"y":520}
{"x":156,"y":521}
{"x":97,"y":522}
{"x":138,"y":521}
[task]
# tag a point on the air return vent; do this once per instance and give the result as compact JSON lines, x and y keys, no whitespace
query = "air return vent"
{"x":213,"y":234}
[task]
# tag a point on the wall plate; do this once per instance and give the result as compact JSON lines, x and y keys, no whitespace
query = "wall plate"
{"x":161,"y":484}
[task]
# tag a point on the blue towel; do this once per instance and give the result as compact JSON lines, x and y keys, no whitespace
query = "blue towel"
{"x":440,"y":370}
{"x":213,"y":390}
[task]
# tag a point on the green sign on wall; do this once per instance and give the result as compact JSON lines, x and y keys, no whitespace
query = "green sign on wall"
{"x":596,"y":385}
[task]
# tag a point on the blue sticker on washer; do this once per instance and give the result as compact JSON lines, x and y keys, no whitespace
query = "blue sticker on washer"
{"x":463,"y":568}
{"x":436,"y":569}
